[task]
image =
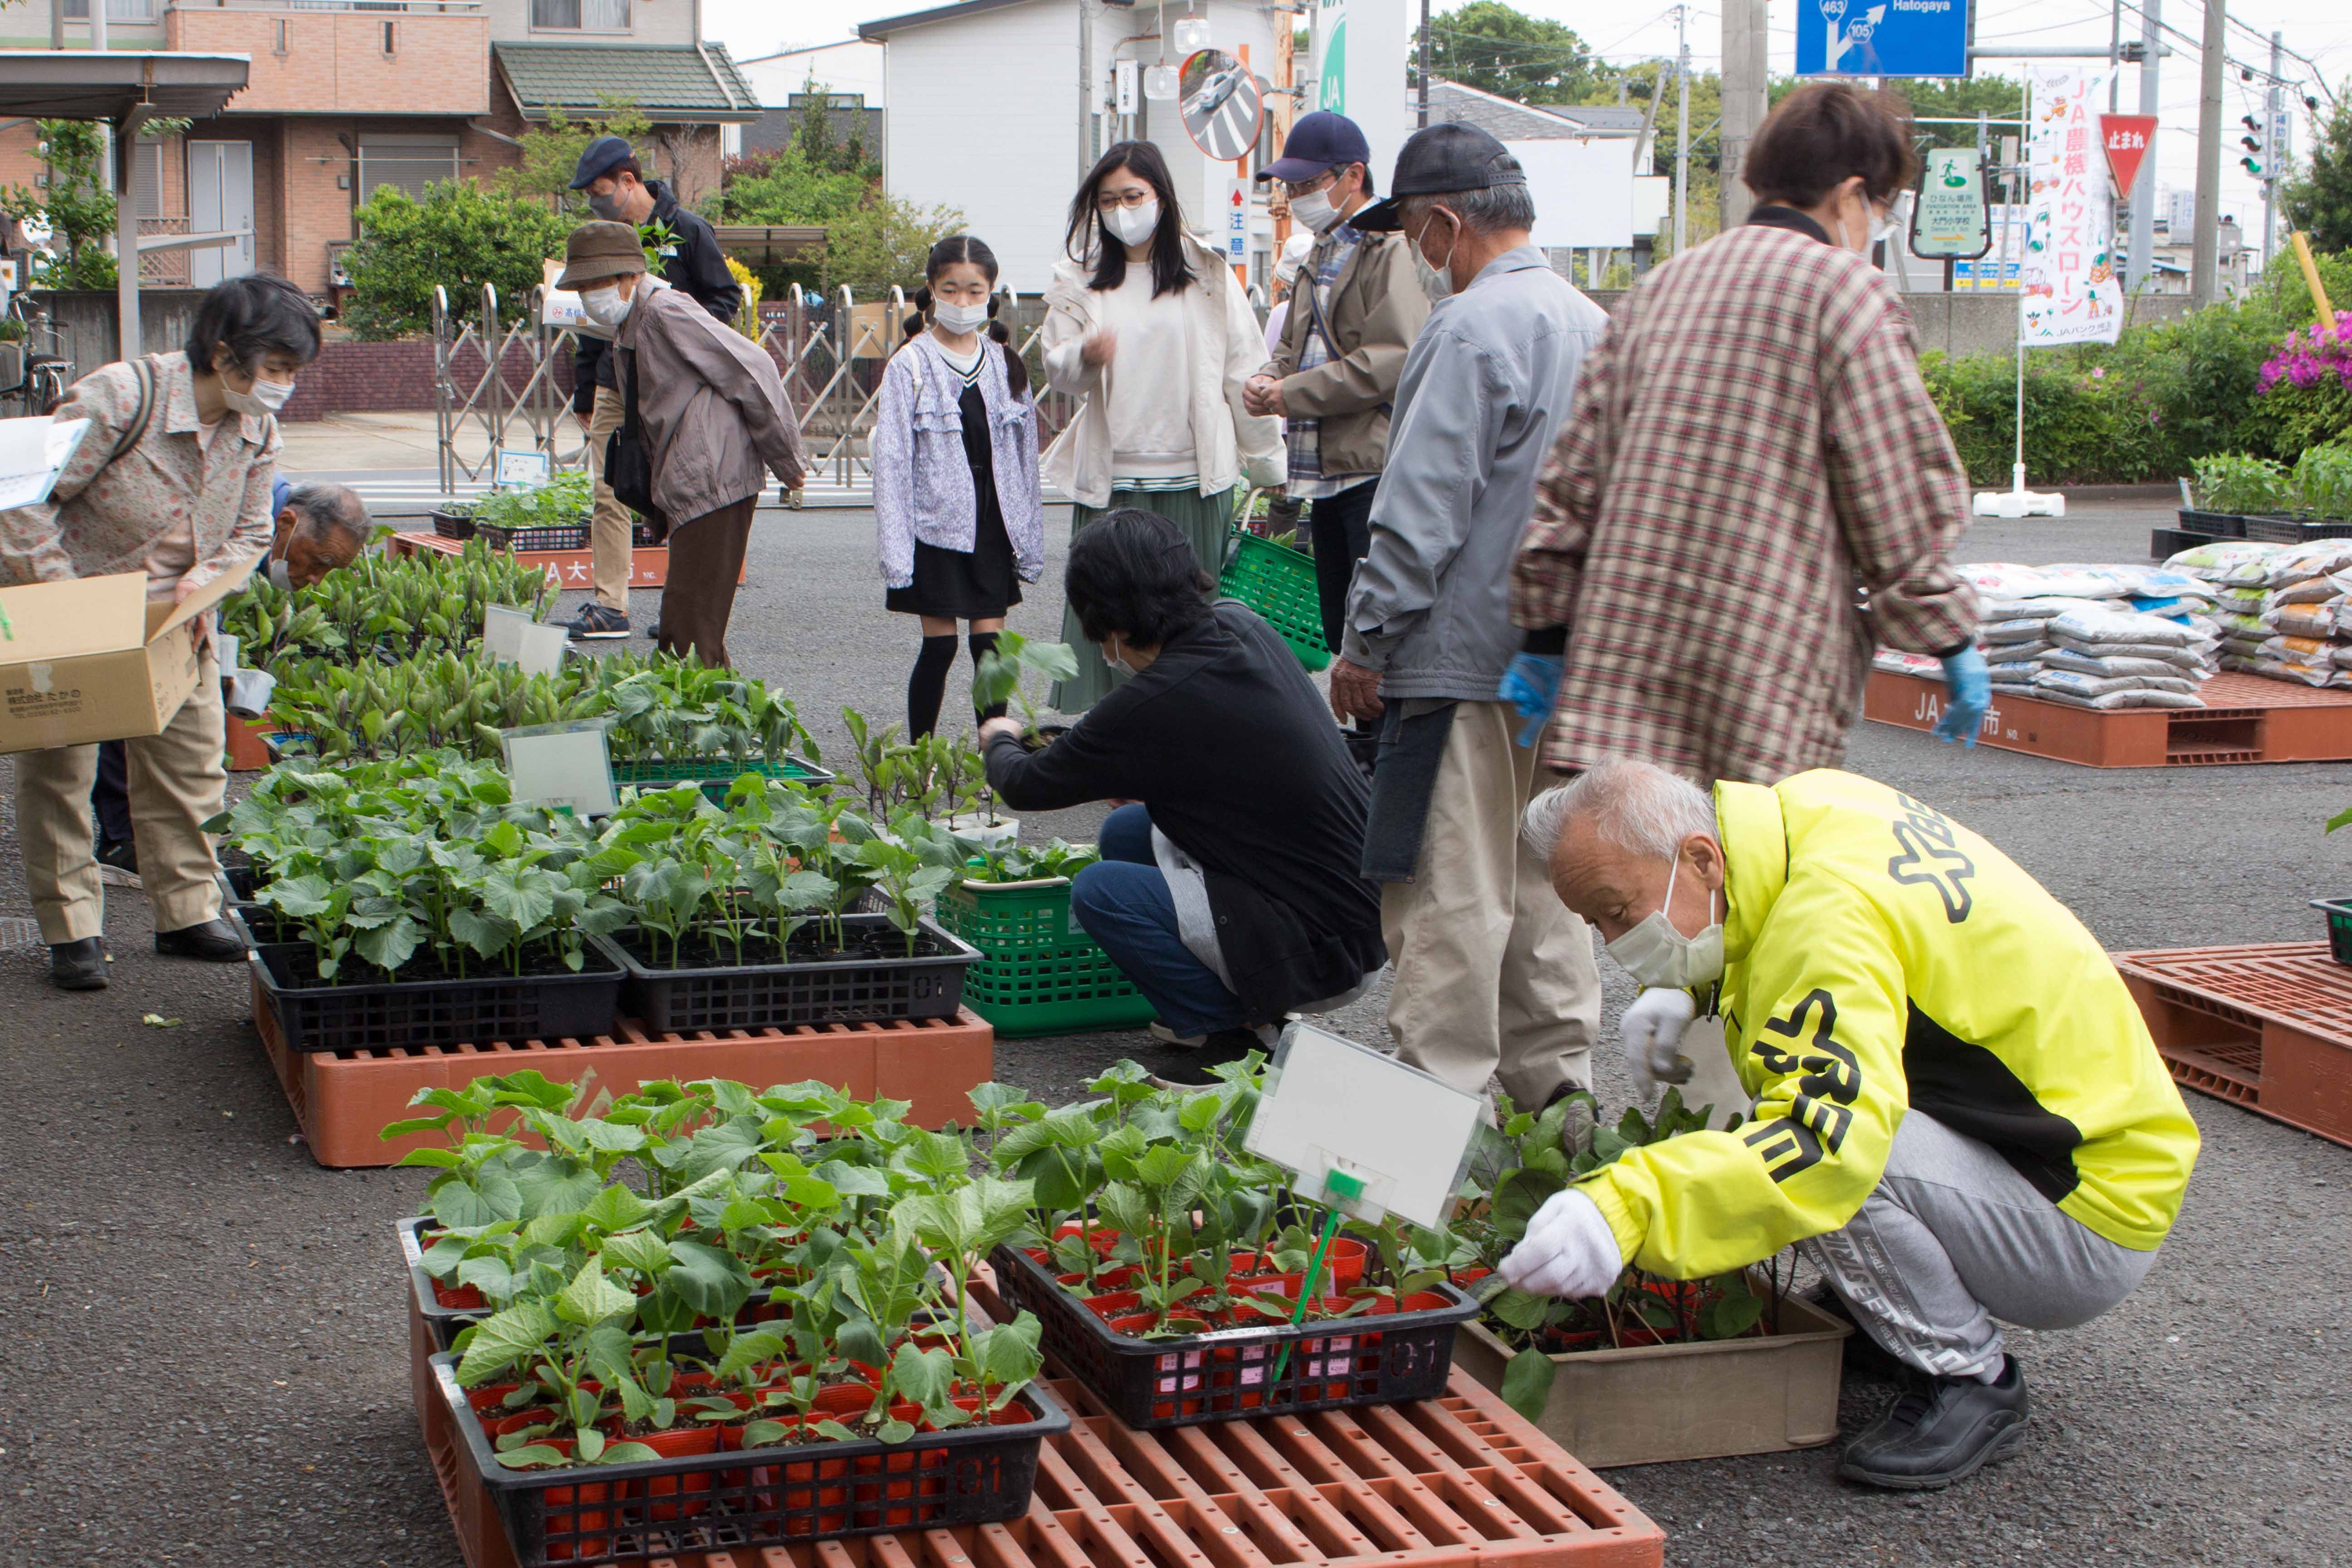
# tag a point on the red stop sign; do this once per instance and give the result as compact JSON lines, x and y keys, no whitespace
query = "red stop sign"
{"x":2127,"y":138}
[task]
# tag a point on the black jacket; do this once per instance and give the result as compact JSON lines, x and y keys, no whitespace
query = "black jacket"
{"x":699,"y":267}
{"x":1225,"y":739}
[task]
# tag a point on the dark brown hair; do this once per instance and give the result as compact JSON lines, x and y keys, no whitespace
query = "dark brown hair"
{"x":1827,"y":133}
{"x":1171,"y":272}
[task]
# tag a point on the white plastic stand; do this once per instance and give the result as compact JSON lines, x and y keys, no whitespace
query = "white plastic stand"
{"x":2019,"y":502}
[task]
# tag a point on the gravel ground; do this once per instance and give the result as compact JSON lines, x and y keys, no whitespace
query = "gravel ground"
{"x":201,"y":1346}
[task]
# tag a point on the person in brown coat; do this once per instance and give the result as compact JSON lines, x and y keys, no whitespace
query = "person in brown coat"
{"x":711,"y":412}
{"x":1754,"y":485}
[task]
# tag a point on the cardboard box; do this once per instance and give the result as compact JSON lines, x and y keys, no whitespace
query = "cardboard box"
{"x":92,"y":660}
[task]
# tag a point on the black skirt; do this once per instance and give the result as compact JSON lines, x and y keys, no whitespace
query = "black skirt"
{"x":954,"y":584}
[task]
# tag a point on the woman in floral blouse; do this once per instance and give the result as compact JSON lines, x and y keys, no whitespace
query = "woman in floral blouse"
{"x":186,"y":500}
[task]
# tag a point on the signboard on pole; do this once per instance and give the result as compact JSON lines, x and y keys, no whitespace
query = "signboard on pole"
{"x":2071,"y":292}
{"x":2127,"y":138}
{"x":1360,"y":50}
{"x":1882,"y":37}
{"x":1238,"y":216}
{"x":1950,"y":218}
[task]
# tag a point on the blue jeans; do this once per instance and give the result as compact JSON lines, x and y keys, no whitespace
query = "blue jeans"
{"x":1122,"y":901}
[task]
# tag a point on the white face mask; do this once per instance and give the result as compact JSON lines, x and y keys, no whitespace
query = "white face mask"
{"x":1314,"y":210}
{"x":1879,"y":228}
{"x":1656,"y":953}
{"x":1117,"y":661}
{"x":1437,"y":282}
{"x":262,"y":397}
{"x":605,"y":306}
{"x":960,"y":318}
{"x":1133,"y":225}
{"x":279,"y":578}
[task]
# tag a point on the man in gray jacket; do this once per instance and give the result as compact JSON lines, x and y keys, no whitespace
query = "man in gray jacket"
{"x":1493,"y":976}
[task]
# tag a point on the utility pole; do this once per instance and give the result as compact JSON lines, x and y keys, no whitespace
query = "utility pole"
{"x":1745,"y":79}
{"x":2205,"y":264}
{"x":1423,"y":120}
{"x":1086,"y":92}
{"x":1682,"y":128}
{"x":2143,"y":192}
{"x":2275,"y":155}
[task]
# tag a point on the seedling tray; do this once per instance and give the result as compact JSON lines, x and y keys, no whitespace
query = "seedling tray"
{"x":458,"y":525}
{"x":1279,"y":582}
{"x":765,"y":997}
{"x":1039,"y":972}
{"x":652,"y":1510}
{"x":409,"y":1013}
{"x":1456,"y":1481}
{"x":1229,"y":1374}
{"x":2213,"y":524}
{"x":551,"y":536}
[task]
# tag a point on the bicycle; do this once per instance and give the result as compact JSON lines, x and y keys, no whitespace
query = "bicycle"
{"x":46,"y":374}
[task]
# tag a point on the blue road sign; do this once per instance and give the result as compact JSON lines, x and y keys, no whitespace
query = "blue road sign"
{"x":1882,"y":37}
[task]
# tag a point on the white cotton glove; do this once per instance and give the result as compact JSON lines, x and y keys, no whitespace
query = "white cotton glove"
{"x":1652,"y":1034}
{"x":1569,"y":1250}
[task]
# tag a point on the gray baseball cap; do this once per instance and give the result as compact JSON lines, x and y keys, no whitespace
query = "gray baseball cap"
{"x":1452,"y":156}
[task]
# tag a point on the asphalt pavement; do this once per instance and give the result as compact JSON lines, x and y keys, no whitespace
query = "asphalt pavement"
{"x":201,"y":1337}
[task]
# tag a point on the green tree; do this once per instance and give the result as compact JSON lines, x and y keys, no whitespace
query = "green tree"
{"x":814,"y":140}
{"x":1501,"y":49}
{"x":1961,"y":98}
{"x":781,"y":187}
{"x":552,"y":152}
{"x":459,"y":236}
{"x":2319,"y":198}
{"x":882,"y":242}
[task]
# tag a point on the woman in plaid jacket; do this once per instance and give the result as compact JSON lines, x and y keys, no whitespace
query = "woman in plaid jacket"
{"x":1754,"y":485}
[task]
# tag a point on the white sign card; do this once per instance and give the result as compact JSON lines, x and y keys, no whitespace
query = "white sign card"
{"x":543,"y":649}
{"x":2071,"y":292}
{"x":530,"y":468}
{"x":502,"y":628}
{"x":566,"y":765}
{"x":1331,"y":1104}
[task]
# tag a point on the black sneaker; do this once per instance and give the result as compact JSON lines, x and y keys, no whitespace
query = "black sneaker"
{"x":212,"y":941}
{"x":118,"y":862}
{"x":1221,"y":1048}
{"x":598,"y":623}
{"x":79,"y":966}
{"x":1939,"y":1431}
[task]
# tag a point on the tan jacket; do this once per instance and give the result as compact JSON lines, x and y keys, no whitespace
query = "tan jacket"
{"x":711,"y":403}
{"x":1228,"y":347}
{"x":1377,"y":307}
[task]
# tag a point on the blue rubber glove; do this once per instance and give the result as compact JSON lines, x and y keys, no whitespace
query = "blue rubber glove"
{"x":1530,"y":685}
{"x":1967,"y":692}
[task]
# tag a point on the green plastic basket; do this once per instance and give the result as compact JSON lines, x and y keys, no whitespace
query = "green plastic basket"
{"x":1279,"y":582}
{"x":1039,"y":972}
{"x":716,"y":776}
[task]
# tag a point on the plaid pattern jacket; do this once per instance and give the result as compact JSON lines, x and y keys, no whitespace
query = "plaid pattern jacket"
{"x":1753,"y":487}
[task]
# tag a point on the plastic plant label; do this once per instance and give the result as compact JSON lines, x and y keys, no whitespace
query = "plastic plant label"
{"x":567,"y":766}
{"x":543,"y":648}
{"x":1333,"y":1105}
{"x":502,"y":629}
{"x":531,"y":469}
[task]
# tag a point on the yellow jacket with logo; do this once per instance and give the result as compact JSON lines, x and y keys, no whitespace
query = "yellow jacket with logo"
{"x":1881,"y":957}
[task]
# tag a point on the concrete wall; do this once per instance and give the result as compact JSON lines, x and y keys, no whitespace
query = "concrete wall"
{"x":87,"y":323}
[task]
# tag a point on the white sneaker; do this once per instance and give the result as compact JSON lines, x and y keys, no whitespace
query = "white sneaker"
{"x":1168,"y":1036}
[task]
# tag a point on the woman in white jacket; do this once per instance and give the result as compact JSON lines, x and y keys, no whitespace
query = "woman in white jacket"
{"x":1154,"y":332}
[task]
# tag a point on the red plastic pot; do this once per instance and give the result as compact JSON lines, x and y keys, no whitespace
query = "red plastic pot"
{"x":1465,"y":1278}
{"x":1332,"y":1356}
{"x":581,"y":1522}
{"x":897,"y":1491}
{"x":694,"y":1487}
{"x":1116,"y":1304}
{"x":1343,"y":1262}
{"x":458,"y":1297}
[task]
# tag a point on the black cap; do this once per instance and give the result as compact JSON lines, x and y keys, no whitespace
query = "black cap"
{"x":596,"y":159}
{"x":1452,"y":156}
{"x":1317,"y":142}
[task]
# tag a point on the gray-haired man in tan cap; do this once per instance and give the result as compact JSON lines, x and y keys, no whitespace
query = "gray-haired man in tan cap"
{"x":709,"y":409}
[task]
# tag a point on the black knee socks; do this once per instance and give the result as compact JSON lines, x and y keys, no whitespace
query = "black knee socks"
{"x":984,"y":642}
{"x":927,"y":686}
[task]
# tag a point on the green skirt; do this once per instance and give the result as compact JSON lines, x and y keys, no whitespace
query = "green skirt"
{"x":1205,"y":520}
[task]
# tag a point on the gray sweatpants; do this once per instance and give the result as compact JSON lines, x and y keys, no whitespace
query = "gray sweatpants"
{"x":1954,"y":1237}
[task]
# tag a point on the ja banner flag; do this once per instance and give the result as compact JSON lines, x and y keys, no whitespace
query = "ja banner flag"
{"x":2071,"y":294}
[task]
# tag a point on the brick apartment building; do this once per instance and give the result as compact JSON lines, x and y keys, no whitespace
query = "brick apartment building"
{"x":348,"y":95}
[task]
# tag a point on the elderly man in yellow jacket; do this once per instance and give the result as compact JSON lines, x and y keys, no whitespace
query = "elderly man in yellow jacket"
{"x":1957,"y":1109}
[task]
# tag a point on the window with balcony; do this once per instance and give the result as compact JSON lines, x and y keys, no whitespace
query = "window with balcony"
{"x":412,"y":162}
{"x":116,"y":10}
{"x":578,"y":16}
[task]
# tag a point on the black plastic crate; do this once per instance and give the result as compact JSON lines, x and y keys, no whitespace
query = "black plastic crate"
{"x":2340,"y":927}
{"x":2219,"y":524}
{"x":2282,"y":528}
{"x":551,"y":536}
{"x":262,"y":926}
{"x":2164,"y":543}
{"x":781,"y":996}
{"x":748,"y":1500}
{"x":442,"y":1321}
{"x":393,"y":1015}
{"x":1228,"y":1374}
{"x":452,"y":524}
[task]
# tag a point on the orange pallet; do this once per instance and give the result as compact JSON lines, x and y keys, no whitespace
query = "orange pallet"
{"x":1440,"y":1483}
{"x":2268,"y":1027}
{"x":2246,"y":719}
{"x":571,"y":569}
{"x":344,"y":1100}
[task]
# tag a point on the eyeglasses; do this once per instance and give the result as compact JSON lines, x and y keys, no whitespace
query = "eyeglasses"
{"x":1308,"y":188}
{"x":1104,"y":201}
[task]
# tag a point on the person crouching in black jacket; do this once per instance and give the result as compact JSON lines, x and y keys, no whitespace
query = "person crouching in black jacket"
{"x":1229,"y":887}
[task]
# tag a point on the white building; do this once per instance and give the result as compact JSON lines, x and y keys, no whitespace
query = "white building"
{"x":852,"y":65}
{"x":985,"y":116}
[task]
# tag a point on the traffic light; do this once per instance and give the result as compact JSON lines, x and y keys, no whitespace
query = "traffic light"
{"x":2257,"y":160}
